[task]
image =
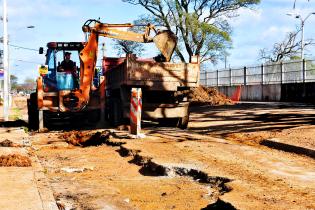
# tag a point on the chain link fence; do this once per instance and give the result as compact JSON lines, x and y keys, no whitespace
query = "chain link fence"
{"x":298,"y":71}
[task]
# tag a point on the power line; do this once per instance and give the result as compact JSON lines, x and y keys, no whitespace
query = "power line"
{"x":28,"y":61}
{"x":24,"y":48}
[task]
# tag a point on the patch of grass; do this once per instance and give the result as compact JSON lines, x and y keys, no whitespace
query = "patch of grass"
{"x":16,"y":114}
{"x":26,"y":130}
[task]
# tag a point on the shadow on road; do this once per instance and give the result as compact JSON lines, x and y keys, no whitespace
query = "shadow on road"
{"x":249,"y":118}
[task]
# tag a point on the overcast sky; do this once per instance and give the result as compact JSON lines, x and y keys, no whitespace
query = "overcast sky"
{"x":61,"y":20}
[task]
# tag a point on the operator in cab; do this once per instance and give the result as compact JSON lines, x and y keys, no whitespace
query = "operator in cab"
{"x":69,"y":67}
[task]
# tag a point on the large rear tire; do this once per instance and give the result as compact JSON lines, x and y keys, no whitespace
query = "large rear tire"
{"x":33,"y":113}
{"x":115,"y":114}
{"x":183,"y":122}
{"x":168,"y":122}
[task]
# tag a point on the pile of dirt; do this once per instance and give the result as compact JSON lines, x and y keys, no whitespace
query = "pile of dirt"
{"x":251,"y":138}
{"x":85,"y":139}
{"x":208,"y":95}
{"x":15,"y":160}
{"x":8,"y":143}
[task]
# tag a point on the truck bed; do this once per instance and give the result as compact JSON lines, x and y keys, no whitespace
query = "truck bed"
{"x":165,"y":76}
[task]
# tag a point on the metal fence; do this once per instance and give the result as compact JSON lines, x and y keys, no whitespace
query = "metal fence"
{"x":277,"y":73}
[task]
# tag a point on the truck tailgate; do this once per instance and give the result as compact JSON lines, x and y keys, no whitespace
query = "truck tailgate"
{"x":153,"y":75}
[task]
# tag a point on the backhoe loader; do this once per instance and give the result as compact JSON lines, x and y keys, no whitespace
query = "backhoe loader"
{"x":55,"y":103}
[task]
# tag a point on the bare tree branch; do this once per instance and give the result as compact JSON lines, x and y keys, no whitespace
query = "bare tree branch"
{"x":285,"y":49}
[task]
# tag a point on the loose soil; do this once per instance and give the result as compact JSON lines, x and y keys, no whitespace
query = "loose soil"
{"x":15,"y":160}
{"x":217,"y":163}
{"x":208,"y":95}
{"x":115,"y":183}
{"x":8,"y":143}
{"x":84,"y":139}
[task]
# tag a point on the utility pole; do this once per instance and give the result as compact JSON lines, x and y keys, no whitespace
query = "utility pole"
{"x":6,"y":73}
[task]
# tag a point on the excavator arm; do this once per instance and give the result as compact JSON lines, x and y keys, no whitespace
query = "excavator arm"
{"x":165,"y":41}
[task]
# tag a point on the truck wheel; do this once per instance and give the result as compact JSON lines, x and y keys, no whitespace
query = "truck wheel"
{"x":183,"y":122}
{"x":94,"y":116}
{"x":115,"y":112}
{"x":168,"y":122}
{"x":33,"y":114}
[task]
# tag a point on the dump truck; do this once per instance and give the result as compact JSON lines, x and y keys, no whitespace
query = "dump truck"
{"x":165,"y":87}
{"x":83,"y":98}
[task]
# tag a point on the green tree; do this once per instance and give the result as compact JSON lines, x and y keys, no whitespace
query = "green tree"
{"x":201,"y":25}
{"x":124,"y":47}
{"x":14,"y":82}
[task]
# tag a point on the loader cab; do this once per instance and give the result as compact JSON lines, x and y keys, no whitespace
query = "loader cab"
{"x":55,"y":54}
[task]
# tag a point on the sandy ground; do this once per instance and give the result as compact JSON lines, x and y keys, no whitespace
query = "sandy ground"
{"x":217,"y":163}
{"x":252,"y":123}
{"x":218,"y":157}
{"x":22,"y":181}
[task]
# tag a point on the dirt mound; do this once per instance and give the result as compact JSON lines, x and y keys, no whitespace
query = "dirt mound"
{"x":8,"y":143}
{"x":208,"y":95}
{"x":85,"y":139}
{"x":15,"y":160}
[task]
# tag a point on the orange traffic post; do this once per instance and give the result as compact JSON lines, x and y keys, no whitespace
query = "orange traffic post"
{"x":135,"y":111}
{"x":237,"y":94}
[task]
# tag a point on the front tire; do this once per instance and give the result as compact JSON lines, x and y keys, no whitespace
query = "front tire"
{"x":33,"y":113}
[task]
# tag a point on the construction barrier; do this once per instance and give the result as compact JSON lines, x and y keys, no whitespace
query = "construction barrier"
{"x":135,"y":111}
{"x":237,"y":94}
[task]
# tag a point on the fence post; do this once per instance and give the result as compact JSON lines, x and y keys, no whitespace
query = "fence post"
{"x":262,"y":74}
{"x":217,"y":78}
{"x":281,"y":73}
{"x":303,"y":70}
{"x":206,"y":78}
{"x":230,"y":76}
{"x":245,"y":75}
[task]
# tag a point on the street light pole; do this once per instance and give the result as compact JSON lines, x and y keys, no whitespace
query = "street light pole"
{"x":302,"y":29}
{"x":6,"y":73}
{"x":302,"y":38}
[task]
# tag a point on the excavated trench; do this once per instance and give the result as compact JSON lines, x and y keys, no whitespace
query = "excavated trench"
{"x":151,"y":168}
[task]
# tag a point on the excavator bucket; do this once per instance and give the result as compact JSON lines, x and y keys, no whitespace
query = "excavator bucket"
{"x":166,"y":42}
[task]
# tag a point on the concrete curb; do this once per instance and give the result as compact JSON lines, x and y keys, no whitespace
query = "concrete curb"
{"x":276,"y":144}
{"x":43,"y":187}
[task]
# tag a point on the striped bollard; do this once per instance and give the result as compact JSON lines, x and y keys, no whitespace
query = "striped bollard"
{"x":135,"y":111}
